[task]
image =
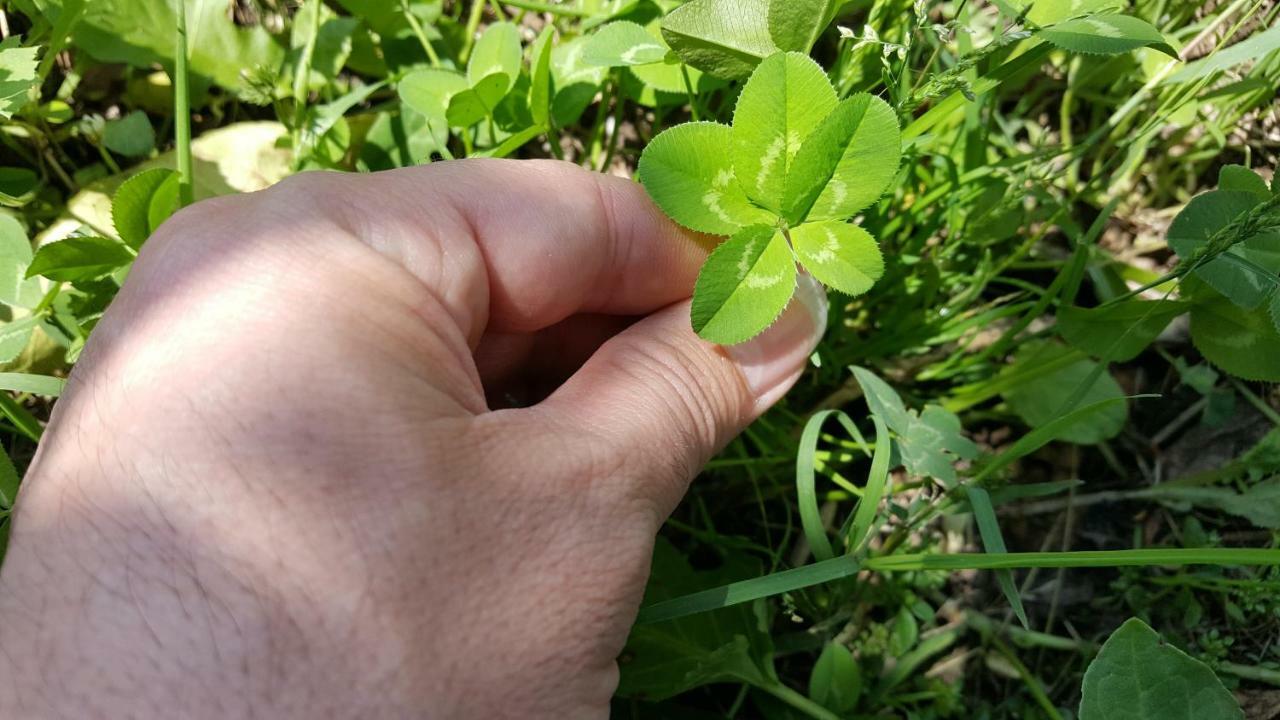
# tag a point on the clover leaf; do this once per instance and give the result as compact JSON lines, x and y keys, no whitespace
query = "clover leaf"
{"x":783,"y":181}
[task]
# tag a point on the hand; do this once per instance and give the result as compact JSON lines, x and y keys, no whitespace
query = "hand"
{"x":275,"y":488}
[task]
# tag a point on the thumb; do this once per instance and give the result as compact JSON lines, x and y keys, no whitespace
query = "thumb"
{"x":664,"y":400}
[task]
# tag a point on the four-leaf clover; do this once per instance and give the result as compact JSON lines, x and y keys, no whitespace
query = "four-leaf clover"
{"x":782,"y":183}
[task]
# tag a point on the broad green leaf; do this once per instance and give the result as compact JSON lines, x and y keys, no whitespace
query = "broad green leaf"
{"x":1245,"y":343}
{"x":9,"y":480}
{"x":688,"y":173}
{"x":15,"y":335}
{"x":780,"y":105}
{"x":16,"y":290}
{"x":845,"y":164}
{"x":540,"y":82}
{"x":131,"y":135}
{"x":142,"y":203}
{"x":984,"y":513}
{"x":18,"y":75}
{"x":1048,"y":12}
{"x":882,"y":400}
{"x":574,"y":81}
{"x":1205,"y":215}
{"x":726,"y":38}
{"x":836,"y":680}
{"x":929,"y":443}
{"x":1039,"y":397}
{"x":1107,"y":35}
{"x":141,"y":33}
{"x":732,"y":645}
{"x":1241,"y":178}
{"x":429,"y":90}
{"x":1251,"y":48}
{"x":477,"y":102}
{"x":496,"y":52}
{"x":1258,"y":503}
{"x":744,"y":286}
{"x":1139,"y":676}
{"x":1121,"y":331}
{"x":28,"y":383}
{"x":79,"y":258}
{"x":621,"y":44}
{"x":796,"y":24}
{"x":933,"y":443}
{"x":844,"y":257}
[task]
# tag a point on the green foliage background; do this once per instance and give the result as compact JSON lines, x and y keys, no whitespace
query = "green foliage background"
{"x":1052,"y":411}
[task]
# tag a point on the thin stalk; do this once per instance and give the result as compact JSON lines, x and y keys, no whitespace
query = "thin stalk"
{"x":473,"y":23}
{"x":688,"y":88}
{"x":799,"y":702}
{"x":419,"y":33}
{"x":182,"y":111}
{"x":1262,"y":406}
{"x":548,"y":8}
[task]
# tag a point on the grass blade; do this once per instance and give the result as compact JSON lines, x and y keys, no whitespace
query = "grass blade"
{"x":985,"y":515}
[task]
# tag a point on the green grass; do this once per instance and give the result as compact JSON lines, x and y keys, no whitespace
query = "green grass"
{"x":1034,"y":178}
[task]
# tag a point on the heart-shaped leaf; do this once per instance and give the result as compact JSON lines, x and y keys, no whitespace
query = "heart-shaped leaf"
{"x":687,"y":171}
{"x":1205,"y":215}
{"x":846,"y":163}
{"x":744,"y":285}
{"x":622,"y":43}
{"x":1239,"y":177}
{"x":1107,"y":35}
{"x":497,"y":51}
{"x":780,"y":105}
{"x":1139,"y":676}
{"x":844,"y":257}
{"x":429,"y":90}
{"x":477,"y":102}
{"x":726,"y":38}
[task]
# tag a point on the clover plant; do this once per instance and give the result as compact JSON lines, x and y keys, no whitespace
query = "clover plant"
{"x":782,"y":183}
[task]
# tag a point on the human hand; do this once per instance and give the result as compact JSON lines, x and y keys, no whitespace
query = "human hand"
{"x":274,"y":486}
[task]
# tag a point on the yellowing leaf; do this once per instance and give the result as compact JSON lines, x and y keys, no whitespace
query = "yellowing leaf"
{"x":744,"y":286}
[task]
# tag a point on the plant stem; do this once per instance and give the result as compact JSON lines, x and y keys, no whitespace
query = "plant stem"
{"x":473,"y":22}
{"x":799,"y":702}
{"x":548,"y":8}
{"x":182,"y":111}
{"x":418,"y":32}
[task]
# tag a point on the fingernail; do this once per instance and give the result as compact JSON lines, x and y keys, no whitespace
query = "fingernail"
{"x":773,"y":360}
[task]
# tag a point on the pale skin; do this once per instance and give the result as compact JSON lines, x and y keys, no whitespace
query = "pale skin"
{"x":279,"y":483}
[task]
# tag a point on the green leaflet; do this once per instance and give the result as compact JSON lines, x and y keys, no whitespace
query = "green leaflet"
{"x":540,"y":79}
{"x":796,"y":24}
{"x":17,"y":75}
{"x":622,"y":44}
{"x":478,"y":101}
{"x":795,"y":160}
{"x":1047,"y":12}
{"x":1107,"y":35}
{"x":726,"y":38}
{"x":1040,"y":396}
{"x":1245,"y":343}
{"x":142,"y":203}
{"x":79,"y":258}
{"x":1239,"y":177}
{"x":131,"y":135}
{"x":16,"y":290}
{"x":1138,"y":676}
{"x":744,"y":286}
{"x":836,"y":680}
{"x":497,"y":51}
{"x":1205,"y":215}
{"x":1118,"y":332}
{"x":780,"y":105}
{"x":429,"y":90}
{"x":688,"y":173}
{"x":846,"y":164}
{"x":844,"y":257}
